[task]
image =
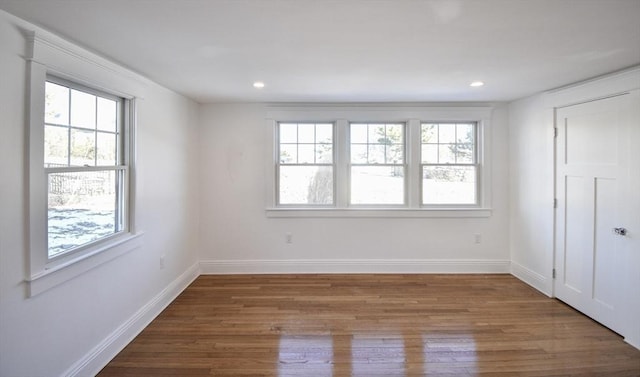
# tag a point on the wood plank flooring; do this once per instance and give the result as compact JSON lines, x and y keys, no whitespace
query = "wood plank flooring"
{"x":371,"y":325}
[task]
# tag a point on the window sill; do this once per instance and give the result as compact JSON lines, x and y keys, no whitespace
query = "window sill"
{"x":377,"y":213}
{"x":52,"y":276}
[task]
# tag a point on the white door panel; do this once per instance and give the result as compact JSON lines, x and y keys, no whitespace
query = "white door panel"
{"x":592,"y":169}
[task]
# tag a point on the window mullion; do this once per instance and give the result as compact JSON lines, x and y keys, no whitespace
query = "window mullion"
{"x":341,"y":143}
{"x":414,"y":174}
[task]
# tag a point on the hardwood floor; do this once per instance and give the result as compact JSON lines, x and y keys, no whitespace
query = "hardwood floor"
{"x":371,"y":325}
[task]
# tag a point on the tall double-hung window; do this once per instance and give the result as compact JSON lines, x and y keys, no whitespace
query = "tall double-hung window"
{"x":449,"y":164}
{"x":377,"y":160}
{"x":305,"y":164}
{"x":85,"y":166}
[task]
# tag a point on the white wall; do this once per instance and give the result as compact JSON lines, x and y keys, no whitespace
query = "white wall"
{"x":532,"y":191}
{"x":236,"y":236}
{"x":531,"y":141}
{"x":77,"y":326}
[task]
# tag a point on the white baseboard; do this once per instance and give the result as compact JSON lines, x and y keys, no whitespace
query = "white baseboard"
{"x":106,"y":350}
{"x":298,"y":266}
{"x":534,"y":279}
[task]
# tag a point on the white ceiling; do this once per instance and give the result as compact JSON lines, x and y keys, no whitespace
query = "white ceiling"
{"x":351,"y":50}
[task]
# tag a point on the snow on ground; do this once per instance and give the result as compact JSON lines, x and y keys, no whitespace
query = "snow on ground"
{"x":72,"y":227}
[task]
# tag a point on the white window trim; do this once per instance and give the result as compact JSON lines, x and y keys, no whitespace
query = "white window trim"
{"x":50,"y":55}
{"x":413,"y":116}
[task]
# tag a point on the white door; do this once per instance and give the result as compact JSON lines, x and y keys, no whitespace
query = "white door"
{"x":592,"y":180}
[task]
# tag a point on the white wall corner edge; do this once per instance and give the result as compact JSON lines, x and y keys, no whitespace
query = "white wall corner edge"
{"x":532,"y":278}
{"x":306,"y":266}
{"x":106,"y":350}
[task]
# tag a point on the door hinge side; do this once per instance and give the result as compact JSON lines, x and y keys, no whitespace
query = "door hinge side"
{"x":555,"y":203}
{"x":555,"y":131}
{"x":553,"y":273}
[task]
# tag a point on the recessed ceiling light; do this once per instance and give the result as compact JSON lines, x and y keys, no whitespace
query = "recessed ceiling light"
{"x":476,"y":84}
{"x":258,"y":84}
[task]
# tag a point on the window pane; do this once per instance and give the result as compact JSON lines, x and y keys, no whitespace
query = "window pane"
{"x":56,"y":152}
{"x":394,"y":134}
{"x":288,"y":153}
{"x":288,"y":133}
{"x":306,"y":185}
{"x":81,"y":209}
{"x":359,"y":153}
{"x":324,"y":133}
{"x":306,"y":133}
{"x":430,"y":153}
{"x":465,"y":133}
{"x":446,"y":133}
{"x":377,"y":185}
{"x":56,"y":104}
{"x":359,"y":133}
{"x":83,"y":147}
{"x":449,"y":185}
{"x":107,"y":115}
{"x":464,"y":153}
{"x":446,"y":153}
{"x":376,"y":154}
{"x":106,"y":149}
{"x":395,"y":154}
{"x":83,"y":109}
{"x":429,"y":133}
{"x":306,"y":153}
{"x":324,"y":153}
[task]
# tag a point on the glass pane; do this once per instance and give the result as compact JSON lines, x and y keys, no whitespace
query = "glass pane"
{"x":394,"y":134}
{"x":306,"y":133}
{"x":83,"y":147}
{"x":359,"y":153}
{"x":306,"y":153}
{"x":288,"y":153}
{"x":464,"y":133}
{"x":56,"y":104}
{"x":56,"y":149}
{"x":107,"y":114}
{"x":395,"y":154}
{"x":429,"y":133}
{"x":377,"y":185}
{"x":447,"y":133}
{"x":446,"y":153}
{"x":359,"y":133}
{"x":288,"y":133}
{"x":464,"y":153}
{"x":83,"y":109}
{"x":324,"y":153}
{"x":449,"y":185}
{"x":377,"y":134}
{"x":376,"y":154}
{"x":81,"y":209}
{"x":106,"y":149}
{"x":430,"y":153}
{"x":324,"y":133}
{"x":306,"y":185}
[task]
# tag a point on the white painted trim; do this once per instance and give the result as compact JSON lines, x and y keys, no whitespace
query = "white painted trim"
{"x":532,"y":278}
{"x":300,"y":266}
{"x":377,"y":213}
{"x":97,"y":358}
{"x":50,"y":277}
{"x":598,"y":88}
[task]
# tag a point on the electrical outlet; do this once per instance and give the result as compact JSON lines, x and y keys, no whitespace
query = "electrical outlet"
{"x":162,"y":262}
{"x":288,"y":238}
{"x":477,"y":238}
